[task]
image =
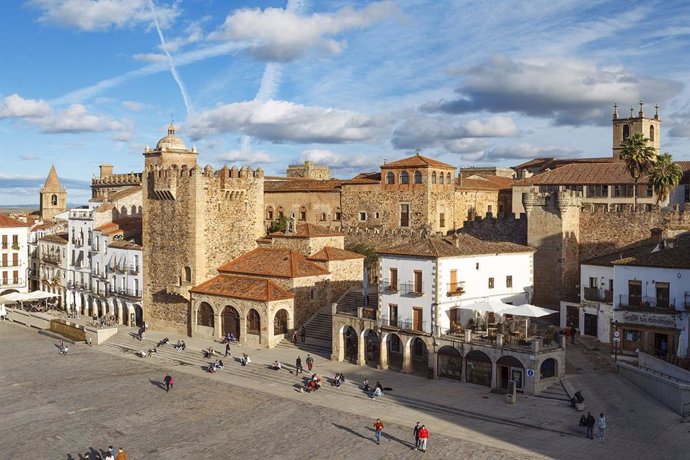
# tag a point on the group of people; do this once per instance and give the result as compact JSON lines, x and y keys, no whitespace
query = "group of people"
{"x":244,"y":359}
{"x":209,"y":352}
{"x":421,"y":436}
{"x":300,"y":333}
{"x":147,"y":354}
{"x":229,"y":337}
{"x":180,"y":346}
{"x":109,"y":455}
{"x":312,"y":384}
{"x":216,"y":366}
{"x":378,"y":390}
{"x":338,"y":380}
{"x":589,"y":422}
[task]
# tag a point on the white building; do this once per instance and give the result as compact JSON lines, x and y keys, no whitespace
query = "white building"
{"x":52,"y":271}
{"x":80,"y":234}
{"x":14,"y":255}
{"x":425,"y":284}
{"x":38,"y":231}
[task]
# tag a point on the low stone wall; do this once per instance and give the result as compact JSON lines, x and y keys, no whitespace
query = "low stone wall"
{"x":669,"y":392}
{"x":70,"y":330}
{"x":664,"y":367}
{"x":37,"y":320}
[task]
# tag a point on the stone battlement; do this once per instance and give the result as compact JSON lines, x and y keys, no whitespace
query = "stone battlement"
{"x":118,"y":179}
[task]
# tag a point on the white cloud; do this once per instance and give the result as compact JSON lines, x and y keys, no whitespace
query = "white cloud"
{"x":135,"y":106}
{"x":569,"y":91}
{"x":342,"y":161}
{"x":423,"y":131}
{"x":280,"y":34}
{"x":15,"y":106}
{"x":281,"y":121}
{"x":251,"y":157}
{"x":97,"y":15}
{"x":527,"y":151}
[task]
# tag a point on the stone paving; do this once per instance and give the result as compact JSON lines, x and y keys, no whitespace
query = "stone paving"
{"x":60,"y":407}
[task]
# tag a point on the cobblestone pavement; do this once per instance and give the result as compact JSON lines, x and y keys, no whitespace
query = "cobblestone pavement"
{"x":59,"y":407}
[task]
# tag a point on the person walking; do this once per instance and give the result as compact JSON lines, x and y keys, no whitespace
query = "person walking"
{"x":303,"y":333}
{"x":168,"y":382}
{"x":298,"y":365}
{"x":573,"y":333}
{"x":310,"y":362}
{"x":378,"y":429}
{"x":602,"y":426}
{"x":423,"y":438}
{"x":589,"y":421}
{"x":227,"y":349}
{"x":295,"y":334}
{"x":417,"y":427}
{"x":121,"y":454}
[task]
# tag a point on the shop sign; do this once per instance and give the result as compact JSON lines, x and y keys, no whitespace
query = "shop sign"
{"x":649,"y":319}
{"x":530,"y":372}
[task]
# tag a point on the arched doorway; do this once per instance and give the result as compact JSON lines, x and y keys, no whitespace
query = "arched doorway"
{"x":231,"y":321}
{"x":372,"y":344}
{"x":138,"y":315}
{"x":351,"y":342}
{"x":253,"y":322}
{"x":420,"y":356}
{"x":510,"y":368}
{"x":280,"y":322}
{"x":126,"y":317}
{"x":549,"y":368}
{"x":204,"y":316}
{"x":478,"y":368}
{"x":449,"y":363}
{"x":395,"y":351}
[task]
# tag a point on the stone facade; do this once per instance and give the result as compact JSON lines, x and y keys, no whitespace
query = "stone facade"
{"x":319,"y":207}
{"x":108,"y":182}
{"x":53,"y":197}
{"x":309,"y":170}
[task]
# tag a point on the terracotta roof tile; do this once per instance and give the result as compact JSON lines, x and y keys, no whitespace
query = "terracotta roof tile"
{"x":417,"y":161}
{"x":302,"y":185}
{"x":125,"y":192}
{"x":331,"y":253}
{"x":459,"y":245}
{"x":584,"y":174}
{"x":279,"y":263}
{"x":125,"y":244}
{"x":479,"y":182}
{"x":241,"y":287}
{"x":675,"y":257}
{"x":59,"y":238}
{"x":6,"y":221}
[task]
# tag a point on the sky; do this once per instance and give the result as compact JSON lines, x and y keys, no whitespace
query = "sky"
{"x":350,"y":84}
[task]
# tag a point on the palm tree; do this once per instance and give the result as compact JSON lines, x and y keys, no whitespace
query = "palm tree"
{"x":639,"y":157}
{"x":664,"y":175}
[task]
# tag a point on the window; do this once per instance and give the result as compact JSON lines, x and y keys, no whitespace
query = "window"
{"x":377,"y":215}
{"x":649,"y":191}
{"x":393,"y":315}
{"x":433,"y":177}
{"x":662,"y":295}
{"x":476,"y":266}
{"x":404,"y":177}
{"x":597,"y":191}
{"x":448,"y":180}
{"x":453,"y":281}
{"x":253,"y":322}
{"x":393,"y":283}
{"x":623,"y":190}
{"x":593,"y":282}
{"x":626,"y":132}
{"x":634,"y":293}
{"x":4,"y":260}
{"x":417,"y":177}
{"x":323,"y":216}
{"x":15,"y":277}
{"x":4,"y":241}
{"x":281,"y":213}
{"x":302,"y":215}
{"x":338,"y":215}
{"x":651,"y":133}
{"x":442,"y":219}
{"x":440,"y":177}
{"x":362,"y":216}
{"x":15,"y":260}
{"x":417,"y":281}
{"x":53,"y":200}
{"x":509,"y":281}
{"x":15,"y":240}
{"x":417,"y":319}
{"x":269,"y":213}
{"x":404,"y":215}
{"x":491,"y":283}
{"x":312,"y":294}
{"x":390,"y":178}
{"x":489,"y":209}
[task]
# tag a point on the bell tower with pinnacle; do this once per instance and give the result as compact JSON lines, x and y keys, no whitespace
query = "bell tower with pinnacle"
{"x":623,"y":128}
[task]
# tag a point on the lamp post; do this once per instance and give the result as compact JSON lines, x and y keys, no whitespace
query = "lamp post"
{"x":616,"y":340}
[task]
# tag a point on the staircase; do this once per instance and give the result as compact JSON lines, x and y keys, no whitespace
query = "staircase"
{"x":353,"y":298}
{"x":319,"y":335}
{"x":555,"y":391}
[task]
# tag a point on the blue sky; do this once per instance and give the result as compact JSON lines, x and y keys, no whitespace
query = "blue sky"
{"x":346,"y":83}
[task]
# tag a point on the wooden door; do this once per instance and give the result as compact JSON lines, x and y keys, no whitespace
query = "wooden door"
{"x":417,"y":319}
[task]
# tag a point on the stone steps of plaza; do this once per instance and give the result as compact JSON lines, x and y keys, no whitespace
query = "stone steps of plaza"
{"x":313,"y":346}
{"x":353,"y":298}
{"x":555,"y":391}
{"x":320,"y":327}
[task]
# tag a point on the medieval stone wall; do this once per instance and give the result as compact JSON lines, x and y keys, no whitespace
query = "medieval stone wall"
{"x":497,"y":229}
{"x":474,"y":203}
{"x":320,"y":207}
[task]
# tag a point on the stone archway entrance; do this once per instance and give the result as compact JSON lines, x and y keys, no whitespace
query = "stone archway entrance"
{"x":478,"y":368}
{"x":395,"y":351}
{"x":449,"y":363}
{"x":138,"y":315}
{"x":510,"y":368}
{"x":280,"y":322}
{"x":231,"y":321}
{"x":372,"y":344}
{"x":351,"y":344}
{"x":420,"y":356}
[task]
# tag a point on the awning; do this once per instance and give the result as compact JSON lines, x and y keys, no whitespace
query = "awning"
{"x":15,"y":297}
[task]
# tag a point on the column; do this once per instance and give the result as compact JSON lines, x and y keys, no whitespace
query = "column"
{"x":217,"y":325}
{"x":118,"y":309}
{"x":243,"y":330}
{"x":383,"y":353}
{"x":361,"y":350}
{"x":494,"y":376}
{"x":407,"y":359}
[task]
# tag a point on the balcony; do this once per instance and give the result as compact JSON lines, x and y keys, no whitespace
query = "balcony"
{"x":133,"y":270}
{"x":389,"y":287}
{"x":412,"y":290}
{"x":454,"y":289}
{"x":595,"y":295}
{"x":646,"y":303}
{"x":126,"y":292}
{"x":401,"y":324}
{"x":51,"y":259}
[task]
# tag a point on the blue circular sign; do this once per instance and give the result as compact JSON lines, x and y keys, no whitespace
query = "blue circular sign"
{"x":530,"y":372}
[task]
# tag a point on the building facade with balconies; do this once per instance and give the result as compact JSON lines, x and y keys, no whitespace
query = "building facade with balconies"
{"x":52,"y":266}
{"x":14,"y":255}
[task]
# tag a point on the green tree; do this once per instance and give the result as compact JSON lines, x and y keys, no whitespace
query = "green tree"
{"x":664,"y":175}
{"x":371,"y":259}
{"x":278,"y":225}
{"x":639,"y":158}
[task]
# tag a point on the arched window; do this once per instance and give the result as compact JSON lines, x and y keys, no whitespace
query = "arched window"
{"x":139,"y":209}
{"x":448,"y":180}
{"x":281,"y":213}
{"x":187,"y":276}
{"x":390,"y":178}
{"x":626,"y":132}
{"x":549,"y":368}
{"x":280,"y":322}
{"x":302,"y":213}
{"x":417,"y":177}
{"x":253,"y":322}
{"x":651,"y":133}
{"x":123,"y":212}
{"x":134,"y":209}
{"x":53,"y":200}
{"x":269,"y":213}
{"x":440,"y":178}
{"x":204,"y":316}
{"x":433,"y":177}
{"x":404,"y":177}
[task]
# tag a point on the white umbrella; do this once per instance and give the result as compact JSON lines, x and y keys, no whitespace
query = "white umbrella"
{"x":488,"y":306}
{"x":528,"y":311}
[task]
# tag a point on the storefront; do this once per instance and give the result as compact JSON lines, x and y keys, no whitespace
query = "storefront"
{"x":653,"y":333}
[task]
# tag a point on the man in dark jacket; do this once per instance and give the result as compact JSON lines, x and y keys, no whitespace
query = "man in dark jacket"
{"x":590,"y":425}
{"x":417,"y":427}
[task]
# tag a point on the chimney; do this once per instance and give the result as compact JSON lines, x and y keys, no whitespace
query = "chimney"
{"x":106,"y":170}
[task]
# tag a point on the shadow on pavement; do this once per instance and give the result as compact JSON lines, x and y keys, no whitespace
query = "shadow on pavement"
{"x":351,"y":431}
{"x":157,"y":383}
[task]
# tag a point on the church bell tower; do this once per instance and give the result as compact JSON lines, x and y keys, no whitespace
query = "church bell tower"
{"x":623,"y":128}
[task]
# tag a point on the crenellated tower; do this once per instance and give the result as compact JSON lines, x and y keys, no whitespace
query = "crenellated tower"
{"x":194,"y":220}
{"x":623,"y":128}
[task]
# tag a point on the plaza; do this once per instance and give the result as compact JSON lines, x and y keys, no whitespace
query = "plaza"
{"x":61,"y":407}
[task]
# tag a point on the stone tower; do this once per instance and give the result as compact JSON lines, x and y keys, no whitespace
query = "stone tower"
{"x":626,"y":127}
{"x":53,"y":198}
{"x":553,"y":229}
{"x":194,"y":220}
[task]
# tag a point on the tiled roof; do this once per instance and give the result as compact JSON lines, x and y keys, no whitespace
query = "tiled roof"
{"x":417,"y":161}
{"x":6,"y":221}
{"x":43,"y":226}
{"x":631,"y":250}
{"x":302,"y":185}
{"x":309,"y":231}
{"x":241,"y":287}
{"x":125,"y":192}
{"x":479,"y":182}
{"x":364,"y":178}
{"x":125,"y":244}
{"x":459,"y":245}
{"x":58,"y":238}
{"x":279,"y":263}
{"x":678,"y":257}
{"x":552,"y":163}
{"x":52,"y":183}
{"x":584,"y":174}
{"x":331,"y":253}
{"x":128,"y":226}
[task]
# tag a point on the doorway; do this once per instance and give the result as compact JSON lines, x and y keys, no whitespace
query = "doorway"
{"x":591,"y":324}
{"x":231,"y":322}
